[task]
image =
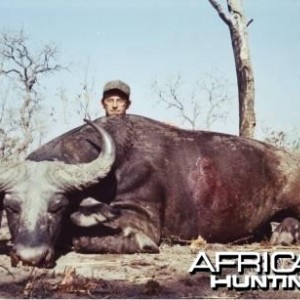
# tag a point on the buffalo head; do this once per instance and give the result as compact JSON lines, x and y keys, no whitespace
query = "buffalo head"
{"x":35,"y":197}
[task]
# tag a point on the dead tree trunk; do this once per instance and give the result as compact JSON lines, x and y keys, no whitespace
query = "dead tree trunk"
{"x":27,"y":67}
{"x":237,"y":24}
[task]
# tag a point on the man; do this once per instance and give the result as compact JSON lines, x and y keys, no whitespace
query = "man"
{"x":116,"y":98}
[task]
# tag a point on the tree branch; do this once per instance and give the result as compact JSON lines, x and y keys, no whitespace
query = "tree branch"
{"x":17,"y":59}
{"x":221,"y":12}
{"x":11,"y":71}
{"x":249,"y":22}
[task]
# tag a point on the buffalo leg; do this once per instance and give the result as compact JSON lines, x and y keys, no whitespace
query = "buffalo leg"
{"x":129,"y":240}
{"x":124,"y":227}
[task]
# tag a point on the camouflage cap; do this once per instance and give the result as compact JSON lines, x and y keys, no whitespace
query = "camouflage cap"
{"x":117,"y":85}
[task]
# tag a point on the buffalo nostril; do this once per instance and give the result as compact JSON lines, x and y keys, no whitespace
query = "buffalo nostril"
{"x":32,"y":255}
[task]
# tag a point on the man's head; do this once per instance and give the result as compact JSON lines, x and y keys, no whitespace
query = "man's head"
{"x":116,"y":97}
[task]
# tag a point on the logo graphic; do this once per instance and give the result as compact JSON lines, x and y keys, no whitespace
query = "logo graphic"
{"x":250,"y":270}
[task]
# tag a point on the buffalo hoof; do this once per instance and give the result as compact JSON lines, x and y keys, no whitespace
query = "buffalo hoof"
{"x":286,"y":233}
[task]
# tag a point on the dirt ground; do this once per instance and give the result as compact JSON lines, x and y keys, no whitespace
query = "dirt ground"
{"x":163,"y":275}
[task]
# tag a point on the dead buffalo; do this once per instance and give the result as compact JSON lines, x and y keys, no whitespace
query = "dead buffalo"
{"x":150,"y":180}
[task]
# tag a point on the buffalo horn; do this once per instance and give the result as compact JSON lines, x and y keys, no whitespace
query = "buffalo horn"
{"x":80,"y":176}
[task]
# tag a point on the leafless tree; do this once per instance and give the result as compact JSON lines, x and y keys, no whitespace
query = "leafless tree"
{"x":237,"y":24}
{"x":84,"y":104}
{"x":201,"y":107}
{"x":25,"y":68}
{"x":288,"y":140}
{"x":85,"y":97}
{"x":170,"y":95}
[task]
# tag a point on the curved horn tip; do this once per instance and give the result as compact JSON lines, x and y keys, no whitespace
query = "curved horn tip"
{"x":88,"y":121}
{"x":92,"y":124}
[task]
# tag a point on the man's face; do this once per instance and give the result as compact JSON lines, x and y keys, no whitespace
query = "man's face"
{"x":115,"y":104}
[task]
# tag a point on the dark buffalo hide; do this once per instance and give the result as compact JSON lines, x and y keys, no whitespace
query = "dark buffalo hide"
{"x":167,"y":181}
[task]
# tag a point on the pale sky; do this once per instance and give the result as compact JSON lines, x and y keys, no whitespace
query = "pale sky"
{"x":141,"y":41}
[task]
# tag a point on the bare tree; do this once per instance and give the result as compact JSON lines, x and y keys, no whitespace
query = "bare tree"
{"x":22,"y":65}
{"x":288,"y":140}
{"x":202,"y":107}
{"x":85,"y":97}
{"x":237,"y":24}
{"x":170,"y":95}
{"x":83,"y":104}
{"x":217,"y":96}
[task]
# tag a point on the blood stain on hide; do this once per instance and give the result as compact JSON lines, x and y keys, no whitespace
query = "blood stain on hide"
{"x":203,"y":178}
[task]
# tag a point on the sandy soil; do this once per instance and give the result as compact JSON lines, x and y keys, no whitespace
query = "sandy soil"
{"x":163,"y":275}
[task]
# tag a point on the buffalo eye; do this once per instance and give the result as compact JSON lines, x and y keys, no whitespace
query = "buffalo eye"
{"x":11,"y":205}
{"x":57,"y":205}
